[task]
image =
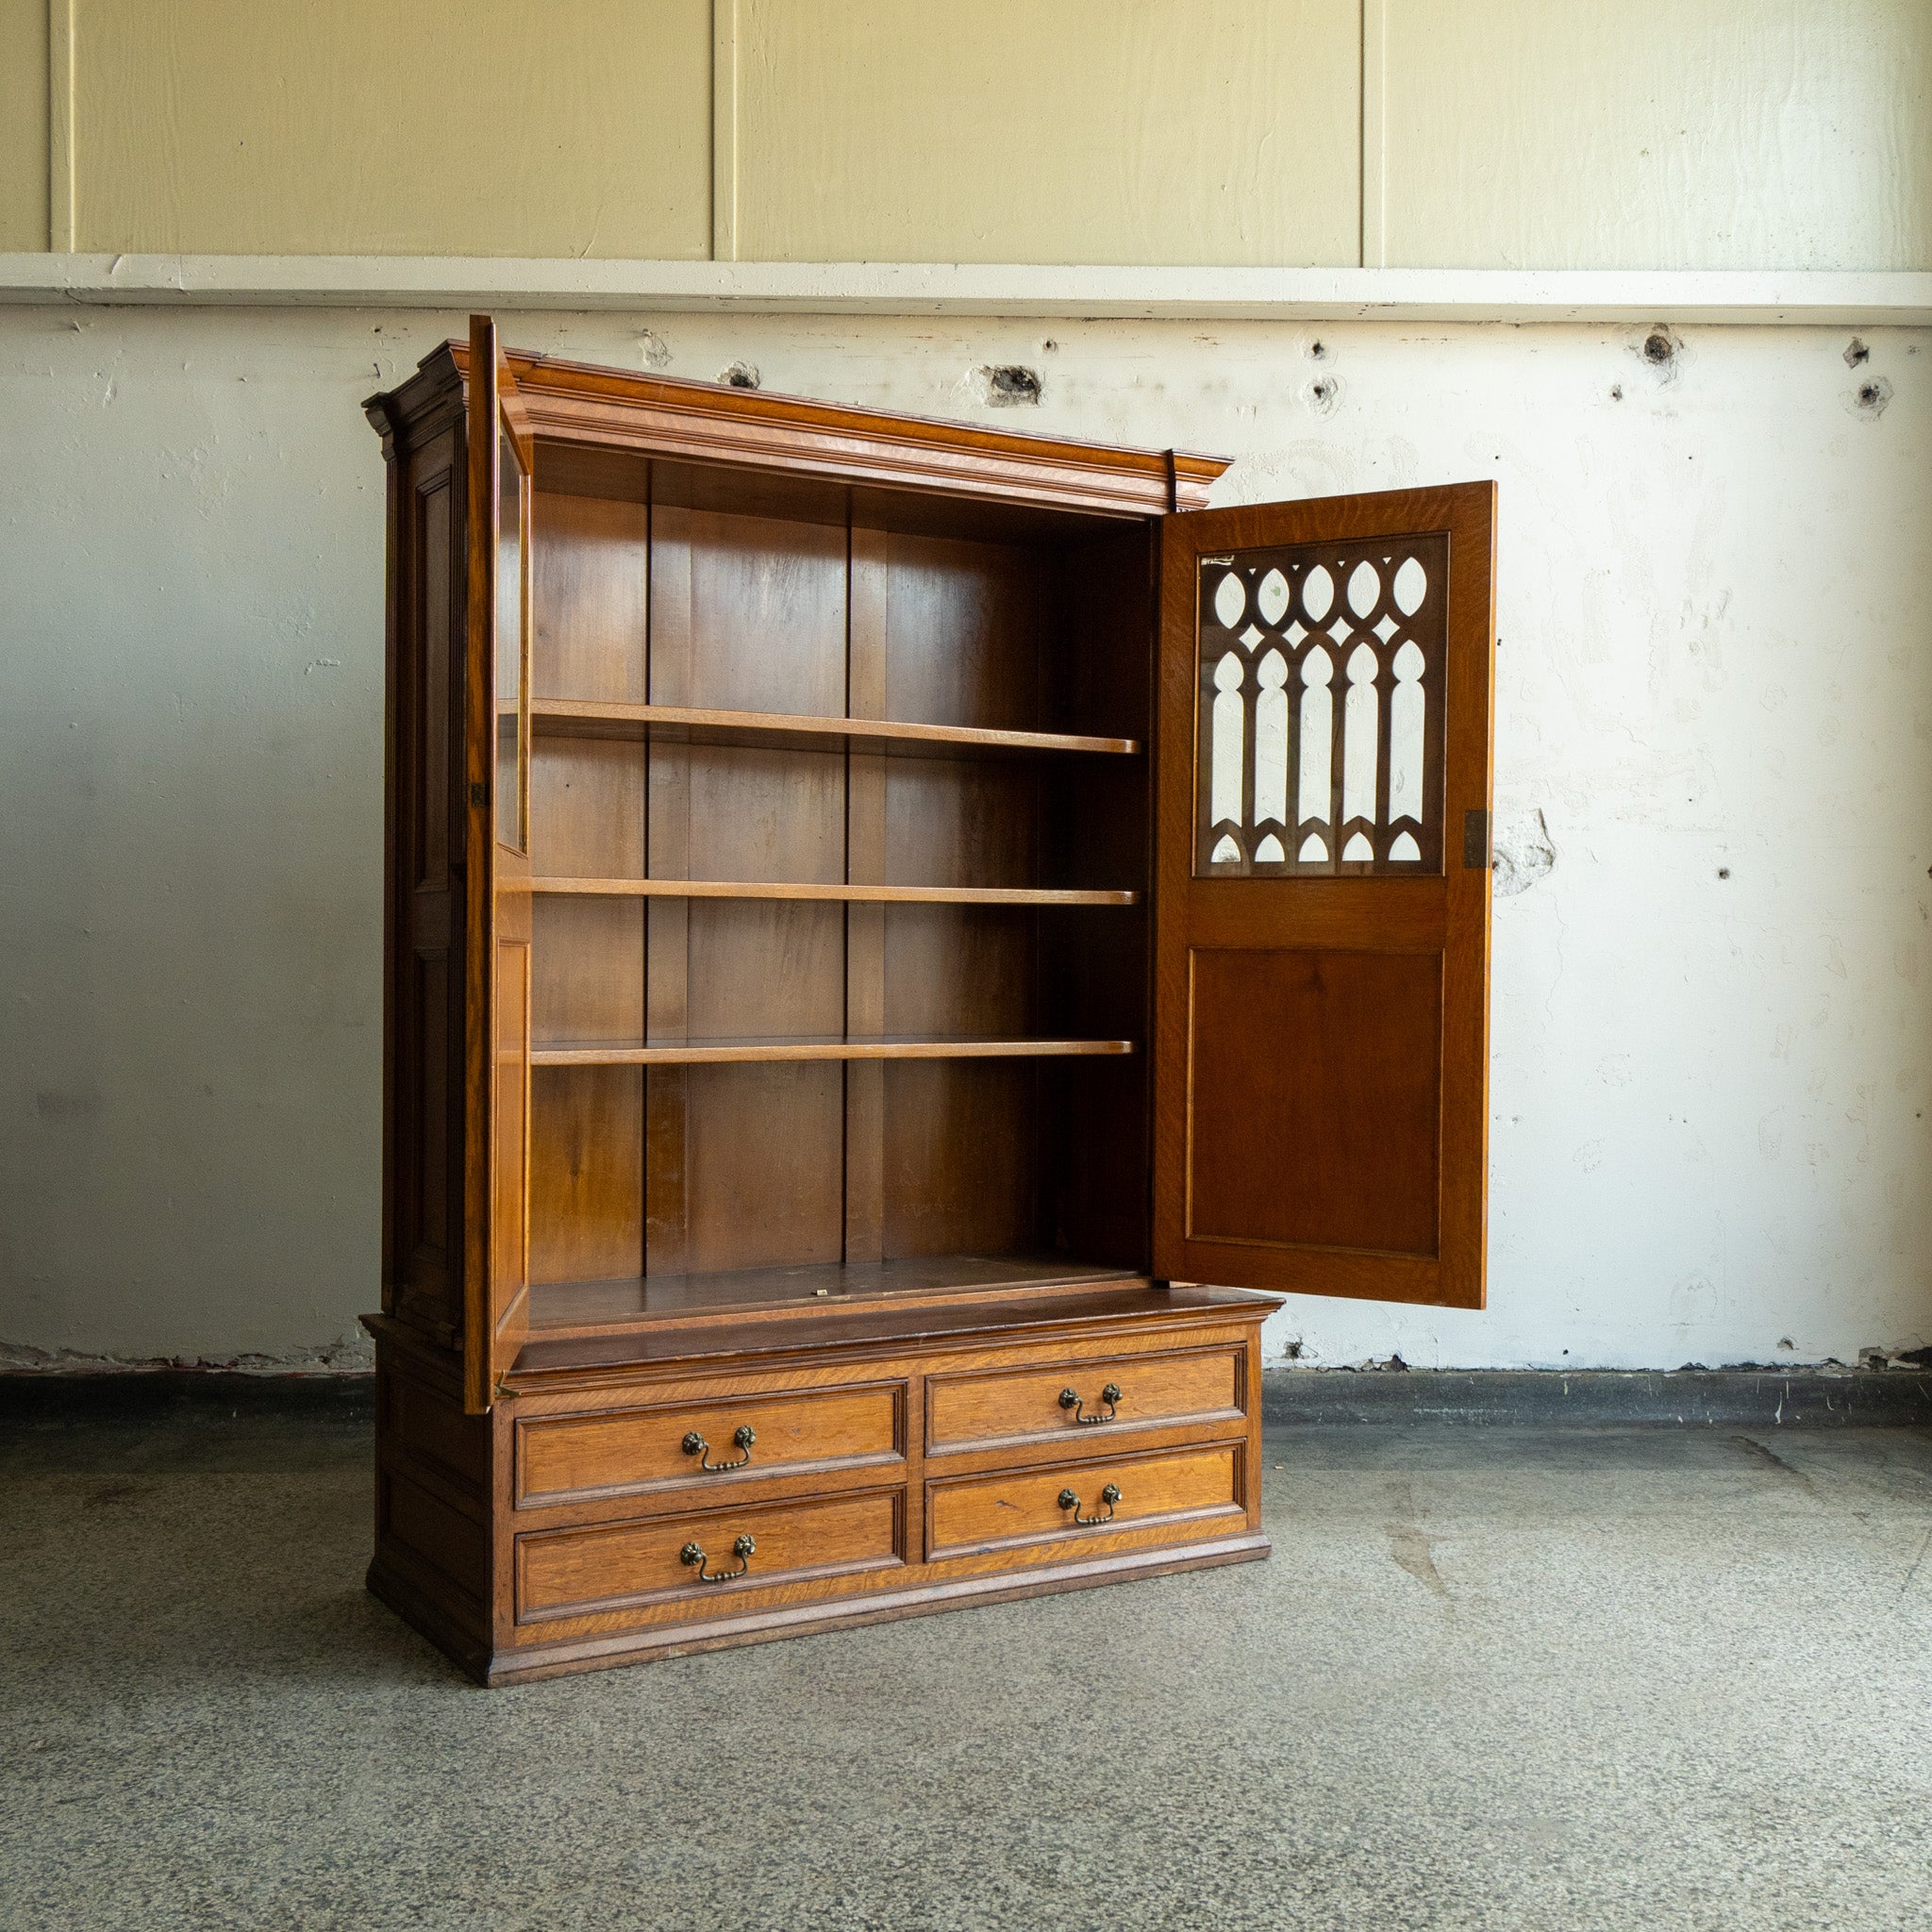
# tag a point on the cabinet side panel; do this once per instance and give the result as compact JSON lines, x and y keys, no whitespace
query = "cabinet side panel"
{"x":1097,"y":831}
{"x":433,"y":1489}
{"x":424,"y":1018}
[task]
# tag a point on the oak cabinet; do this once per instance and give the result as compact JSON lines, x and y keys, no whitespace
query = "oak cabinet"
{"x":879,"y":912}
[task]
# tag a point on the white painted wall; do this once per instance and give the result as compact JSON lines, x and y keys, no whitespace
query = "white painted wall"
{"x":1710,"y":1093}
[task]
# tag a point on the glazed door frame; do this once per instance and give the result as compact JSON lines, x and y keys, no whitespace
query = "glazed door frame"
{"x":497,"y":903}
{"x":1321,"y":922}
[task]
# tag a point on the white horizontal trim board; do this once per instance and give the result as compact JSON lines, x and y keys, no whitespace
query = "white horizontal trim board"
{"x":1260,"y":294}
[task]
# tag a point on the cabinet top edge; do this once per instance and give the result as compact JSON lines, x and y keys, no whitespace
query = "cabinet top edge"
{"x":681,"y":419}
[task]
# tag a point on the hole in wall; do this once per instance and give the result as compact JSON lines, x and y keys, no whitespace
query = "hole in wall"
{"x":1870,"y":396}
{"x":1856,"y":352}
{"x":1008,"y":383}
{"x":739,"y":375}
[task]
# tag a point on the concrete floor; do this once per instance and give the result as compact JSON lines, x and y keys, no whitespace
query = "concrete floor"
{"x":1622,"y":1680}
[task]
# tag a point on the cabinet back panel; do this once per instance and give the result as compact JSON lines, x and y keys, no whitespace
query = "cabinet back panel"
{"x":747,"y":613}
{"x":590,"y":968}
{"x":763,"y":1161}
{"x":957,"y":821}
{"x":587,"y":809}
{"x":590,"y":570}
{"x":759,"y":966}
{"x":961,"y":1158}
{"x":587,"y":1199}
{"x":962,"y":632}
{"x":757,"y":814}
{"x":959,"y":970}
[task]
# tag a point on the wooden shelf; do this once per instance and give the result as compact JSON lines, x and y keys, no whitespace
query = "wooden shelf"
{"x":684,"y":724}
{"x":628,"y":1303}
{"x":701,"y":1053}
{"x":913,"y":895}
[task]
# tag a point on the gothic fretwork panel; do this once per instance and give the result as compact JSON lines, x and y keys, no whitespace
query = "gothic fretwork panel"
{"x":1321,"y":679}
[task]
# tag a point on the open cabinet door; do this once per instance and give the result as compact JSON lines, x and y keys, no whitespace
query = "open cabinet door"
{"x":496,"y":1152}
{"x":1322,"y":895}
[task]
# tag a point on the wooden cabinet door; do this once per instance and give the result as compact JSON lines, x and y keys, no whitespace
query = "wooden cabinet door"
{"x":496,"y":736}
{"x":1322,"y":895}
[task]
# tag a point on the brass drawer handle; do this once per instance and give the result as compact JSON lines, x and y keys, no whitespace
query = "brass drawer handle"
{"x":693,"y":1558}
{"x":1110,"y":1495}
{"x":695,"y":1445}
{"x":1110,"y":1395}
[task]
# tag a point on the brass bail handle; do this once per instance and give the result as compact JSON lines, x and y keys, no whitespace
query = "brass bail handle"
{"x":1110,"y":1495}
{"x":692,"y":1557}
{"x":745,"y":1436}
{"x":1109,"y":1396}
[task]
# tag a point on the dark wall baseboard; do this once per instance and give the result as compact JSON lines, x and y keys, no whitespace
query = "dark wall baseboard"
{"x":1525,"y":1398}
{"x":154,"y":1394}
{"x":1545,"y":1398}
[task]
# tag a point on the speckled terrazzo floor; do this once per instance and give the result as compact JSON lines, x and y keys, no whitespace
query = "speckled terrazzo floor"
{"x":1631,"y":1680}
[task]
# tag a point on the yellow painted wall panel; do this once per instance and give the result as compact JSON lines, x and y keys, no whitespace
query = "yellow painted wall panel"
{"x":1711,"y":134}
{"x":22,"y":125}
{"x":484,"y":128}
{"x":1187,"y":131}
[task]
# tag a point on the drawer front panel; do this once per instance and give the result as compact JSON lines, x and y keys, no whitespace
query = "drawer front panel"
{"x":620,"y":1566}
{"x":567,"y":1459}
{"x":978,"y":1412}
{"x":968,"y":1516}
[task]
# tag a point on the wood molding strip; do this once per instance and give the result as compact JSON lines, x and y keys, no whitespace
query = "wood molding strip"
{"x":1868,"y":298}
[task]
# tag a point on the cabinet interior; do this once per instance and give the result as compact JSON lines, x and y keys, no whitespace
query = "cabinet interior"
{"x":824,"y":1012}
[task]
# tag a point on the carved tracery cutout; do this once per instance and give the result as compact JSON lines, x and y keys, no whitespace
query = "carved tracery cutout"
{"x":1322,"y":671}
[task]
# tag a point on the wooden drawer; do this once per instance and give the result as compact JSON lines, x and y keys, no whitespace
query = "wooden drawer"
{"x":969,"y":1515}
{"x":616,"y":1452}
{"x":632,"y":1565}
{"x":990,"y":1409}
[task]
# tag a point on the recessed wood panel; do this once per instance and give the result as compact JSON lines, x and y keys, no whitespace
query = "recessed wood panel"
{"x":589,"y":971}
{"x":615,"y":1566}
{"x":509,"y":1120}
{"x":964,"y":822}
{"x":433,"y":696}
{"x":586,"y":805}
{"x":966,"y":1515}
{"x":762,"y":1165}
{"x":961,"y":970}
{"x":592,"y":571}
{"x":586,"y":1172}
{"x":961,"y":1158}
{"x":560,"y":1458}
{"x":763,"y":604}
{"x":1314,"y":1082}
{"x":431,"y":1020}
{"x":962,"y":625}
{"x":448,"y":1541}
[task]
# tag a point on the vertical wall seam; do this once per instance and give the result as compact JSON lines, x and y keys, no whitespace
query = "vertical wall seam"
{"x":1374,"y":82}
{"x":60,"y":225}
{"x":724,"y":130}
